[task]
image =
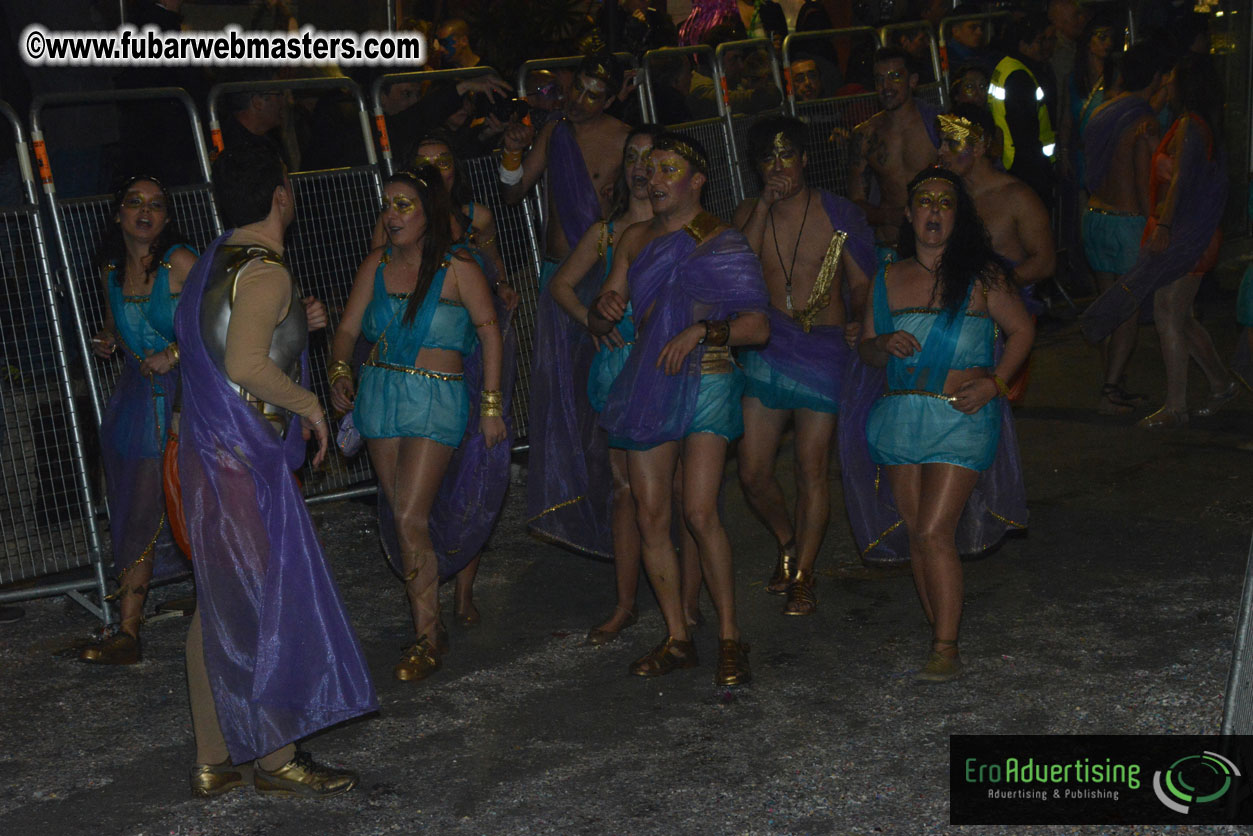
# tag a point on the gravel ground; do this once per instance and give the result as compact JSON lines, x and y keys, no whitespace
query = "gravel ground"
{"x":1115,"y":614}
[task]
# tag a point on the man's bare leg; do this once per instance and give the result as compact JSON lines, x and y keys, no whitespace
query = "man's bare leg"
{"x":814,"y":431}
{"x":763,"y":428}
{"x":650,"y":472}
{"x":690,"y":575}
{"x":1117,"y":350}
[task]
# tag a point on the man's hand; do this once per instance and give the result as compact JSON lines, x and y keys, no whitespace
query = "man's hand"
{"x":609,"y":306}
{"x":611,"y":340}
{"x":491,"y":85}
{"x":518,"y":137}
{"x":675,"y":352}
{"x":321,"y":432}
{"x":315,"y":312}
{"x":778,"y":186}
{"x":852,"y":334}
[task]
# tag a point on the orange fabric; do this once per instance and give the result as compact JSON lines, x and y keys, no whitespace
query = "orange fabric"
{"x":174,"y":495}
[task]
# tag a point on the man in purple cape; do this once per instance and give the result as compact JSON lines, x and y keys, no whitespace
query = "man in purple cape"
{"x":568,"y":478}
{"x":1118,"y":143}
{"x":816,"y":266}
{"x":696,"y":288}
{"x":271,"y":655}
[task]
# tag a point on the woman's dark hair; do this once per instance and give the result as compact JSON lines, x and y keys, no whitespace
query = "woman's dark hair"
{"x":1199,"y":91}
{"x":620,"y":201}
{"x":437,"y":239}
{"x":112,"y":250}
{"x":968,"y":255}
{"x":461,"y":194}
{"x":1100,"y":20}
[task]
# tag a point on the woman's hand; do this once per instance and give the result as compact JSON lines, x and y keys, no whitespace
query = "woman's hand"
{"x":493,"y":429}
{"x":611,"y":340}
{"x":160,"y":362}
{"x":1159,"y":239}
{"x":899,"y":343}
{"x":104,"y":344}
{"x":318,"y":428}
{"x":343,"y":394}
{"x":508,"y":295}
{"x":315,"y":312}
{"x":675,"y":352}
{"x":852,"y":334}
{"x":609,"y":306}
{"x":973,"y":395}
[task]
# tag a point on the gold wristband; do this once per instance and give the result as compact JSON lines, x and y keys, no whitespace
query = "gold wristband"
{"x":511,"y":160}
{"x":337,"y":369}
{"x":485,"y":324}
{"x":493,"y":410}
{"x":717,"y":332}
{"x":172,"y":351}
{"x":492,"y":396}
{"x":1001,"y":386}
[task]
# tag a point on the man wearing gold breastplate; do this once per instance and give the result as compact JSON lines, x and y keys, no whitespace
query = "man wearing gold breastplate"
{"x":817,"y":254}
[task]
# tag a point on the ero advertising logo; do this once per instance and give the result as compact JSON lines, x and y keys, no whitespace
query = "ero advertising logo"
{"x":1194,"y":779}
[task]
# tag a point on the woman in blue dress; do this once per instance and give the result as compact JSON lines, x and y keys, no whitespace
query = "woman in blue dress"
{"x":932,"y":323}
{"x":143,"y":262}
{"x":424,"y":302}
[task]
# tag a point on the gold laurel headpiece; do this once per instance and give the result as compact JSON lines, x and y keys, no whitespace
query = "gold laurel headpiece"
{"x":959,"y":128}
{"x":684,"y":150}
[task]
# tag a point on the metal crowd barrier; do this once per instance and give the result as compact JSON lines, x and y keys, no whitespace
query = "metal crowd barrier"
{"x":47,"y":514}
{"x":934,"y":92}
{"x":1238,"y":702}
{"x":989,"y":22}
{"x":335,"y":213}
{"x":744,"y":171}
{"x":518,"y":231}
{"x":831,"y":119}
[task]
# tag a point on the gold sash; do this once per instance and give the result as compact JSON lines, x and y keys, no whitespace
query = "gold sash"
{"x":820,"y":296}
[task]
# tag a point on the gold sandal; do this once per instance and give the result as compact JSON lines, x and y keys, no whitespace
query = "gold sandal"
{"x":784,"y":570}
{"x":800,"y":596}
{"x":939,"y":667}
{"x":418,"y":662}
{"x":732,"y":664}
{"x":669,"y":656}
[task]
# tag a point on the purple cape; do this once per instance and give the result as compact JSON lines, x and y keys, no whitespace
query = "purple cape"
{"x":1107,"y":126}
{"x":570,"y":185}
{"x":477,"y":479}
{"x":819,"y":358}
{"x":1202,"y":196}
{"x":997,"y":504}
{"x":674,"y":282}
{"x":282,"y":657}
{"x":569,"y":486}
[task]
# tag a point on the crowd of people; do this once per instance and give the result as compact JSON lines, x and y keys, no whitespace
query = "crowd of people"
{"x":890,"y":327}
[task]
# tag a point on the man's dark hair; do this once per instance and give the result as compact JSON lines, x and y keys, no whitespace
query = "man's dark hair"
{"x":762,"y":133}
{"x":1138,"y":66}
{"x":893,"y":53}
{"x":1021,"y":30}
{"x":244,"y":180}
{"x":606,"y":67}
{"x":241,"y":99}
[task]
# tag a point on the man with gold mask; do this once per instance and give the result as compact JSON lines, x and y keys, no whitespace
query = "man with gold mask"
{"x":817,"y":254}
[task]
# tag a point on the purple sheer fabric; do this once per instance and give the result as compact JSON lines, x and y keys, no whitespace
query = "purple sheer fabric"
{"x":473,"y":490}
{"x":1202,"y":195}
{"x":570,"y":186}
{"x":1106,"y":127}
{"x":282,"y":657}
{"x":997,"y":504}
{"x":674,"y":282}
{"x":569,"y":486}
{"x":131,"y":450}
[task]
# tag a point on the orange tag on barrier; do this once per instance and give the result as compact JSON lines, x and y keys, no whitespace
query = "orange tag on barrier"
{"x":216,"y":136}
{"x":41,"y":156}
{"x":726,"y":97}
{"x":787,"y":80}
{"x":380,"y":123}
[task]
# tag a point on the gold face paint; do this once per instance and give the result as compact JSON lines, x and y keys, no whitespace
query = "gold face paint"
{"x":959,"y":130}
{"x":923,"y":200}
{"x":589,"y":88}
{"x":671,"y":165}
{"x":136,"y":200}
{"x":781,"y":151}
{"x":634,"y":154}
{"x":403,"y":205}
{"x":443,"y":162}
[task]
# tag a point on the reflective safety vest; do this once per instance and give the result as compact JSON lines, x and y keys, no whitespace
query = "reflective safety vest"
{"x":996,"y":103}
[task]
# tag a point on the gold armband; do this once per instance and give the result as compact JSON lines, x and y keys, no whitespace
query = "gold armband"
{"x":172,"y":351}
{"x":1001,"y":386}
{"x":511,"y":160}
{"x":491,"y":403}
{"x":717,"y":332}
{"x":485,"y":324}
{"x":337,"y":369}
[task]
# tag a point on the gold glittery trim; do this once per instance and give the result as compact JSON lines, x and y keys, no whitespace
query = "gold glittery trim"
{"x":1006,"y":520}
{"x":137,"y":299}
{"x":820,"y":296}
{"x":959,"y":128}
{"x":925,"y":393}
{"x":556,"y":507}
{"x":716,"y":360}
{"x":982,"y":314}
{"x":144,"y":557}
{"x":392,"y":367}
{"x":881,"y":537}
{"x":702,"y":226}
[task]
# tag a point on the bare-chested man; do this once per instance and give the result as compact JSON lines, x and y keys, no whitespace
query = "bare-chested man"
{"x":892,"y":146}
{"x":581,"y":152}
{"x":1118,"y":143}
{"x":1015,"y":217}
{"x":816,"y":251}
{"x":678,"y":396}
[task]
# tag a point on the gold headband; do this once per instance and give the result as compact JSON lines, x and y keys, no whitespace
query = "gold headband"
{"x":688,"y":153}
{"x":781,"y":144}
{"x":959,"y":128}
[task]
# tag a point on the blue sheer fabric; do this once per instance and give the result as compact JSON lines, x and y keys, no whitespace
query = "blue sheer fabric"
{"x":397,"y":399}
{"x":609,"y":360}
{"x":134,"y":427}
{"x":913,"y":423}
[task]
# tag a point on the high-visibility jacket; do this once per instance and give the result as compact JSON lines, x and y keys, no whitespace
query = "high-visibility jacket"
{"x":1006,"y":67}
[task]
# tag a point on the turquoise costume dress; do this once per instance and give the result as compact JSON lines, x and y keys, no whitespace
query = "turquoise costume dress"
{"x":394,"y":397}
{"x":914,"y":422}
{"x":133,"y":430}
{"x":610,"y":360}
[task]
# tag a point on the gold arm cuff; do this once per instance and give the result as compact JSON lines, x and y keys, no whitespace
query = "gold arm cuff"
{"x":172,"y":350}
{"x":1001,"y":386}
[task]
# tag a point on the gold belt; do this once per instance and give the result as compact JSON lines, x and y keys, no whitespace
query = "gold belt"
{"x":276,"y":415}
{"x":1097,"y":210}
{"x":924,"y":392}
{"x":392,"y":367}
{"x":717,"y":360}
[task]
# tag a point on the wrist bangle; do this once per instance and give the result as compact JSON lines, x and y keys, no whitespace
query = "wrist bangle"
{"x":705,"y":336}
{"x":171,"y":351}
{"x":509,"y":178}
{"x":511,"y":160}
{"x":337,"y":369}
{"x":491,"y":404}
{"x":1001,"y":386}
{"x":717,"y":332}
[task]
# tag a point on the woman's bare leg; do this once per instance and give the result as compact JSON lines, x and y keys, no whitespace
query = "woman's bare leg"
{"x":626,"y":545}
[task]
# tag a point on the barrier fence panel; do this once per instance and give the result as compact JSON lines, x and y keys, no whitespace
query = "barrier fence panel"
{"x":336,"y":210}
{"x":759,"y":71}
{"x":948,"y":62}
{"x":918,"y":37}
{"x":517,"y":235}
{"x":47,"y":518}
{"x":1238,"y":703}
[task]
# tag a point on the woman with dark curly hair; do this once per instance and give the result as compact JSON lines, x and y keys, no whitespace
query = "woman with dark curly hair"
{"x":932,"y":323}
{"x":144,"y":261}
